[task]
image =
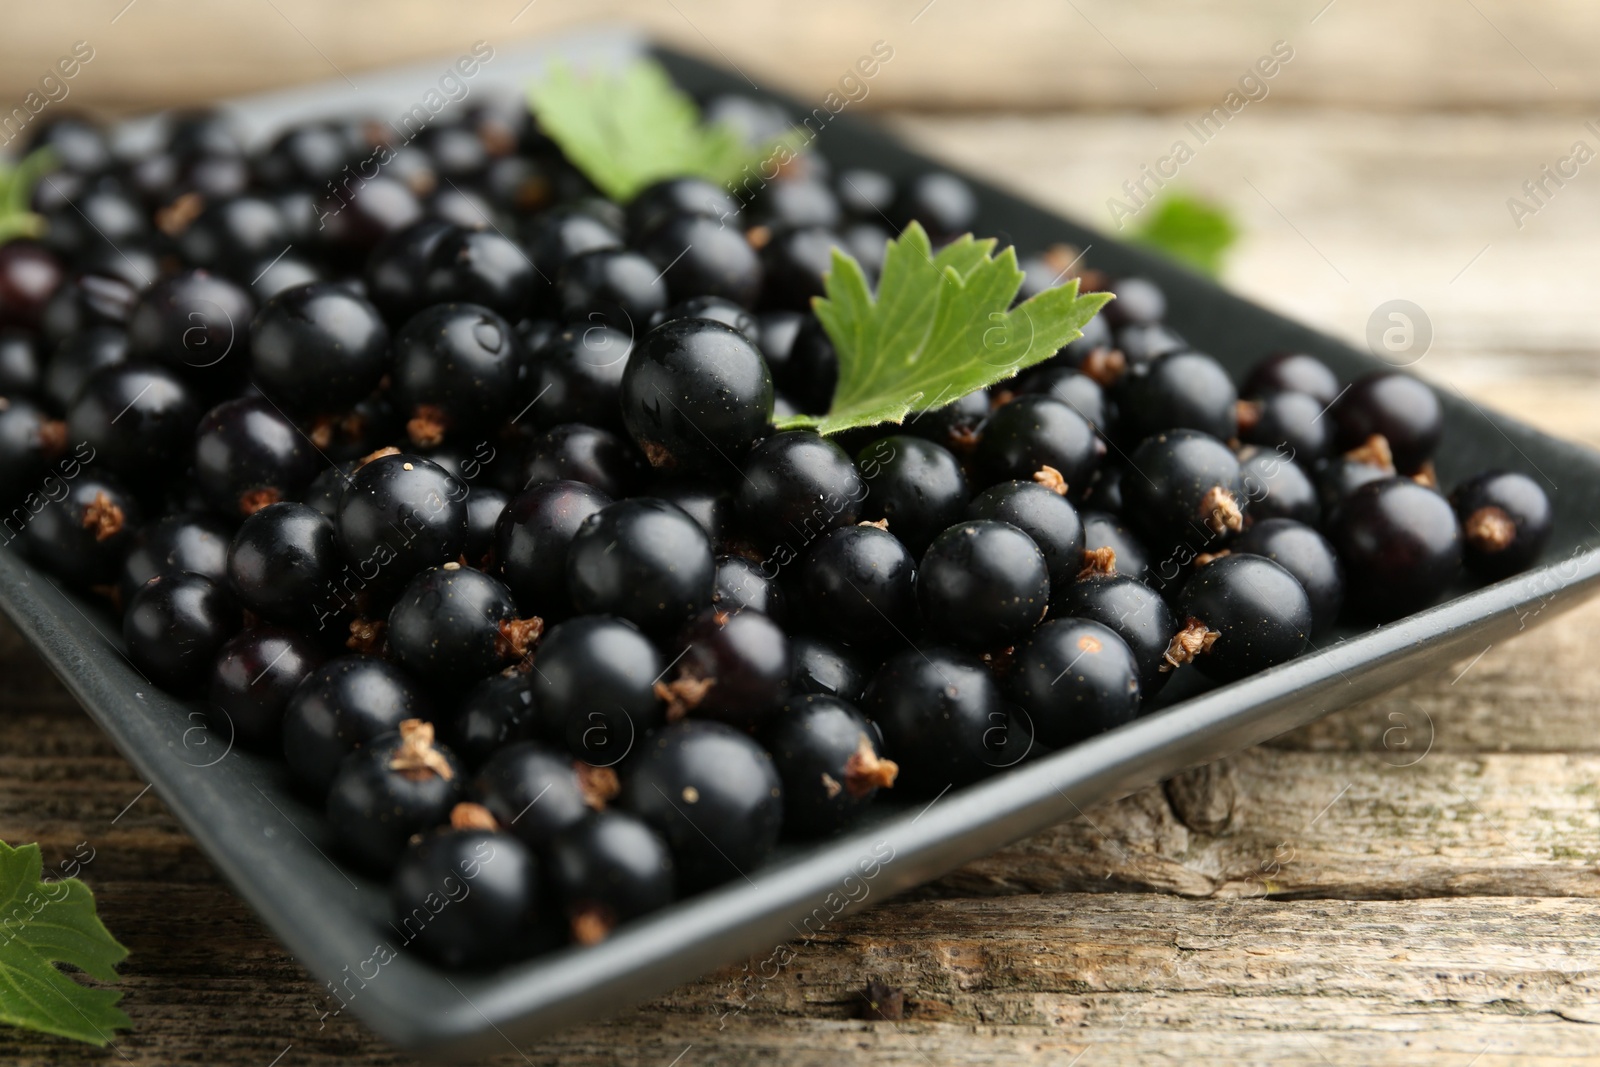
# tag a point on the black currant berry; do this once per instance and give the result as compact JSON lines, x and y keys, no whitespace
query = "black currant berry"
{"x":78,"y":358}
{"x":1260,"y":615}
{"x":575,"y":452}
{"x":734,"y":668}
{"x":743,"y":585}
{"x":1506,"y":520}
{"x":696,"y":395}
{"x":455,"y":368}
{"x":397,"y":270}
{"x":29,"y":440}
{"x":1042,"y":514}
{"x":85,"y":301}
{"x":1400,"y":546}
{"x":943,"y":719}
{"x":1078,"y":391}
{"x":1293,"y":372}
{"x":1298,"y":425}
{"x":827,"y":670}
{"x":189,"y":541}
{"x":400,"y":514}
{"x":914,"y":484}
{"x":1128,"y":607}
{"x":797,"y":486}
{"x":793,"y":263}
{"x":1030,"y":433}
{"x":1276,"y":487}
{"x":983,"y":585}
{"x":860,"y":587}
{"x":531,"y":542}
{"x":396,"y":785}
{"x":680,"y":196}
{"x":826,"y":754}
{"x":810,"y":372}
{"x":955,"y":425}
{"x":476,"y":266}
{"x":251,"y":682}
{"x":644,"y":560}
{"x":700,"y":257}
{"x":1139,"y":302}
{"x":174,"y":627}
{"x":1186,"y":489}
{"x":608,"y":869}
{"x":283,"y":560}
{"x":485,"y":505}
{"x":595,"y":687}
{"x":1400,"y":408}
{"x":1340,"y":476}
{"x":713,"y":794}
{"x":576,"y":376}
{"x":196,"y":323}
{"x":21,"y":366}
{"x":490,"y":882}
{"x":318,"y":348}
{"x":611,"y":287}
{"x":535,"y":792}
{"x":708,"y":502}
{"x":229,"y":235}
{"x":943,"y":203}
{"x":1307,"y":555}
{"x":340,"y":706}
{"x":1180,"y":390}
{"x":1074,"y":678}
{"x":454,"y":624}
{"x":83,"y":536}
{"x":720,"y":309}
{"x":247,"y":455}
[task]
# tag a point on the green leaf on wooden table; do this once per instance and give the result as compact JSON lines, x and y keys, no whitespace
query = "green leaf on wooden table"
{"x":939,"y":327}
{"x":45,"y":923}
{"x":1190,"y":229}
{"x":16,"y":191}
{"x":626,"y":129}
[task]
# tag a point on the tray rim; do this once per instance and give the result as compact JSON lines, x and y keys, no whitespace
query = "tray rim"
{"x":557,"y":989}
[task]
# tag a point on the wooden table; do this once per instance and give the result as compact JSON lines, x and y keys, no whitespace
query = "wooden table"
{"x":1410,"y":881}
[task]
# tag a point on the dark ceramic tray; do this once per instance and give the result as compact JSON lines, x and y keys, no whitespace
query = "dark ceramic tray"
{"x":273,"y":847}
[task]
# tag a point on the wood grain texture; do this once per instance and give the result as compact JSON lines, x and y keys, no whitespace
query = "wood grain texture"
{"x":949,"y":54}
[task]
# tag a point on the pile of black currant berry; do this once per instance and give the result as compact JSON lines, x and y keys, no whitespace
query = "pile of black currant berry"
{"x":456,"y":486}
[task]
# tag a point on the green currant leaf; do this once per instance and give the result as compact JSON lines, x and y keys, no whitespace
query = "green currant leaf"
{"x":939,"y":327}
{"x":1190,"y":229}
{"x":16,"y":191}
{"x":45,"y":923}
{"x":629,"y":128}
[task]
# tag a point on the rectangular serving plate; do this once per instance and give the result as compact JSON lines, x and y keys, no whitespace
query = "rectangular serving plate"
{"x":275,"y":849}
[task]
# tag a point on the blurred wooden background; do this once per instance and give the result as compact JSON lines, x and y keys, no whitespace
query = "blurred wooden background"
{"x":1379,"y":167}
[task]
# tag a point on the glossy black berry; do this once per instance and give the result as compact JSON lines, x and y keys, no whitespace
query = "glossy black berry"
{"x":1293,"y":372}
{"x":1180,"y":390}
{"x":866,"y":194}
{"x":340,"y":706}
{"x":595,"y":687}
{"x":247,"y":455}
{"x":955,"y":425}
{"x":1340,"y":476}
{"x":1506,"y":520}
{"x":611,"y":287}
{"x":576,"y":452}
{"x":735,"y":669}
{"x":1297,"y":425}
{"x":485,"y":505}
{"x":913,"y":483}
{"x":708,"y":502}
{"x":395,"y":785}
{"x":318,"y":348}
{"x":943,"y":203}
{"x":744,"y":585}
{"x":680,"y":196}
{"x":827,"y":669}
{"x":860,"y":586}
{"x":983,"y":585}
{"x":1101,"y":530}
{"x":1307,"y":555}
{"x":531,"y":542}
{"x":720,"y":309}
{"x":21,"y":366}
{"x":455,"y":369}
{"x":1074,"y":678}
{"x":1132,"y":610}
{"x":943,"y":719}
{"x":251,"y":682}
{"x":29,"y":440}
{"x":699,"y":256}
{"x":77,"y":359}
{"x":175,"y":625}
{"x":1030,"y":433}
{"x":276,"y":274}
{"x":496,"y":712}
{"x":454,"y":624}
{"x":576,"y":376}
{"x":797,"y":486}
{"x":1045,"y":516}
{"x":1186,"y":488}
{"x":188,"y":541}
{"x":1400,"y":545}
{"x":1078,"y":391}
{"x":715,"y":796}
{"x":1398,"y":407}
{"x":29,"y":276}
{"x":229,"y":235}
{"x":82,"y":536}
{"x":793,"y":263}
{"x":196,"y":323}
{"x":534,"y":792}
{"x":400,"y":514}
{"x":607,"y":869}
{"x":397,"y":271}
{"x":644,"y":560}
{"x":1142,"y":343}
{"x":810,"y":372}
{"x":696,"y":395}
{"x":1276,"y":487}
{"x":1257,"y":609}
{"x":827,"y":756}
{"x":282,"y":563}
{"x":490,"y":882}
{"x":557,"y":236}
{"x":478,"y":266}
{"x":87,"y":300}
